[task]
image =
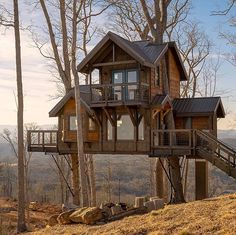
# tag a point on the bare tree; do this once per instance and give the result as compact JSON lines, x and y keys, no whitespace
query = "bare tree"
{"x":229,"y":36}
{"x":21,"y":226}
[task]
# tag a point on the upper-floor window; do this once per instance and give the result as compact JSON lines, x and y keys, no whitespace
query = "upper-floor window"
{"x":72,"y":123}
{"x":95,"y":76}
{"x":157,"y":76}
{"x":130,"y":79}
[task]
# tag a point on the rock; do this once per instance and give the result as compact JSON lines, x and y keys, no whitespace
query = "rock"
{"x":109,"y":205}
{"x":154,"y":198}
{"x":106,"y":211}
{"x":64,"y":217}
{"x":123,"y":206}
{"x":89,"y":215}
{"x":116,"y":210}
{"x":53,"y":220}
{"x":159,"y":203}
{"x":76,"y":216}
{"x":33,"y":206}
{"x":139,"y":202}
{"x":150,"y":205}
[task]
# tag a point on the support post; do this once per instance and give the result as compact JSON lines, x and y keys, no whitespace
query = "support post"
{"x":201,"y":179}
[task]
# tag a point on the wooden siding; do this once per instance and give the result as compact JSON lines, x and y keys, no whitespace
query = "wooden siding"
{"x":174,"y":76}
{"x":155,"y":90}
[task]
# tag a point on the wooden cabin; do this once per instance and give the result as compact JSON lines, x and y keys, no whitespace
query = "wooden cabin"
{"x":125,"y":105}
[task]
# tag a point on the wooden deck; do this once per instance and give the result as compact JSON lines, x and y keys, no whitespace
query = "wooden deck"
{"x":165,"y":143}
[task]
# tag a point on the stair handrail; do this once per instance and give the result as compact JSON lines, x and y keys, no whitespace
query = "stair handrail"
{"x":230,"y":150}
{"x":212,"y":137}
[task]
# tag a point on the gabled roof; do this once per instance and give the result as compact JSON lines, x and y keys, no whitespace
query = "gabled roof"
{"x":145,"y":52}
{"x":160,"y":101}
{"x":198,"y":106}
{"x":84,"y":96}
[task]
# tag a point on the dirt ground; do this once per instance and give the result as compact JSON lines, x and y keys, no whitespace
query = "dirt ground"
{"x":38,"y":217}
{"x":211,"y":216}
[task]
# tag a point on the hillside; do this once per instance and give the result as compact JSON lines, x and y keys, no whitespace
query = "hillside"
{"x":211,"y":216}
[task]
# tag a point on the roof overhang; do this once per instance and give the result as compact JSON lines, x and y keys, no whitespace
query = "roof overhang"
{"x":83,"y":67}
{"x":55,"y":111}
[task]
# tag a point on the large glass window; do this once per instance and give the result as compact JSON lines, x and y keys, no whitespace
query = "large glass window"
{"x":72,"y":123}
{"x":125,"y":128}
{"x":141,"y":130}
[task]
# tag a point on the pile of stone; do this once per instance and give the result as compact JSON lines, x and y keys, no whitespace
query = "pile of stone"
{"x":106,"y":212}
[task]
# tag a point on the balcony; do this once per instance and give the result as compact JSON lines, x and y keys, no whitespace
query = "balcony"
{"x":172,"y":142}
{"x":42,"y":141}
{"x":119,"y":94}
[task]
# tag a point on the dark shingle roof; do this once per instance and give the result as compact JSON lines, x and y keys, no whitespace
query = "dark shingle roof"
{"x":198,"y":106}
{"x":84,"y":96}
{"x":145,"y":52}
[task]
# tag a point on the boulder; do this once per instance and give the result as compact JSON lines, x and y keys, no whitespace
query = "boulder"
{"x":64,"y":217}
{"x":139,"y":202}
{"x":53,"y":220}
{"x":150,"y":205}
{"x":116,"y":210}
{"x":89,"y":215}
{"x":106,"y":211}
{"x":33,"y":206}
{"x":159,"y":203}
{"x":76,"y":216}
{"x":109,"y":205}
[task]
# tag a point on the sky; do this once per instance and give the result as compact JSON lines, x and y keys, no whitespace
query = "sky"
{"x":38,"y":82}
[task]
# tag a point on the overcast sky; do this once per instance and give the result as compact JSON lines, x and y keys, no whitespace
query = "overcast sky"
{"x":38,"y":85}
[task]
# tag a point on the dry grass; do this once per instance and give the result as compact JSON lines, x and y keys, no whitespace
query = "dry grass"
{"x":212,"y":216}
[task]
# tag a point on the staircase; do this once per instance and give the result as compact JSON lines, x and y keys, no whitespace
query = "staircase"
{"x":215,"y":151}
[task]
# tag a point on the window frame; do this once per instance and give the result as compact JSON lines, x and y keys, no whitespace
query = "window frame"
{"x":69,"y":122}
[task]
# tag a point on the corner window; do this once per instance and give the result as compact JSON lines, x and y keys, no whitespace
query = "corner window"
{"x":72,"y":123}
{"x":91,"y":125}
{"x":125,"y":128}
{"x":157,"y":76}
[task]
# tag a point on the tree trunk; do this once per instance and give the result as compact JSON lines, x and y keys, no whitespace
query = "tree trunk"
{"x":92,"y":181}
{"x":80,"y":142}
{"x":75,"y":178}
{"x":21,"y":226}
{"x":159,"y":186}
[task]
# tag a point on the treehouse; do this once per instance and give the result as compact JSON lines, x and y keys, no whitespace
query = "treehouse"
{"x":125,"y":107}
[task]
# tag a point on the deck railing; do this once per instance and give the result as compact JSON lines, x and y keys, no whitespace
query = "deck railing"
{"x":125,"y":92}
{"x":43,"y":140}
{"x":172,"y":139}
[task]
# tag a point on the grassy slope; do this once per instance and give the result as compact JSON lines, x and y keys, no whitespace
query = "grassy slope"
{"x":212,"y":216}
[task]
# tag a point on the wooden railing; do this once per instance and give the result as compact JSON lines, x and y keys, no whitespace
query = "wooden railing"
{"x":42,"y":140}
{"x":175,"y":139}
{"x":125,"y":92}
{"x":218,"y":148}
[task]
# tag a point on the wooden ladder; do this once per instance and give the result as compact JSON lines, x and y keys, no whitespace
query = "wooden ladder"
{"x":215,"y":151}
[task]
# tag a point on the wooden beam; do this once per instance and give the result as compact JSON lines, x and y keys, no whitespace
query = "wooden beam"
{"x":96,"y":116}
{"x":115,"y":63}
{"x":132,"y":116}
{"x":112,"y":121}
{"x":155,"y":112}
